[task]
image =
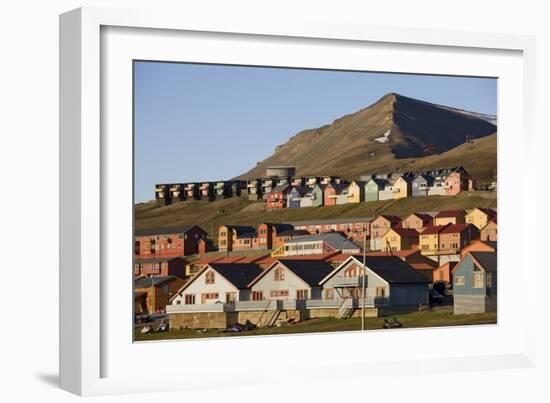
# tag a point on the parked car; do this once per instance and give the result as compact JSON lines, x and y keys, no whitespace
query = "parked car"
{"x":435,"y":297}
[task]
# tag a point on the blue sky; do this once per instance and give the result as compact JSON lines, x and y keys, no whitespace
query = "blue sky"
{"x":203,"y":122}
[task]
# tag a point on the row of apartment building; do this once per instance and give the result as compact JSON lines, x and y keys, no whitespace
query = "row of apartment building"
{"x":280,"y":189}
{"x":437,"y":182}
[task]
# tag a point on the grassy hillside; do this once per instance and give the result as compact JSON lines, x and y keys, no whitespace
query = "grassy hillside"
{"x":241,"y":211}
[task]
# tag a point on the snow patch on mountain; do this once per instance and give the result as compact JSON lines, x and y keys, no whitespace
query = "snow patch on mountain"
{"x":385,"y":138}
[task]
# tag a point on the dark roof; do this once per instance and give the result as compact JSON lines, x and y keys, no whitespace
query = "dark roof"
{"x":143,"y":282}
{"x":379,"y":182}
{"x":280,"y":227}
{"x":311,"y":271}
{"x":452,"y":228}
{"x":334,"y":239}
{"x":489,"y":211}
{"x":238,"y":274}
{"x":488,"y":260}
{"x":243,"y":231}
{"x":394,"y":270}
{"x":156,"y":260}
{"x":301,"y":190}
{"x":280,"y":188}
{"x":451,"y":213}
{"x":293,"y":232}
{"x":405,"y":232}
{"x":163,"y":231}
{"x":434,"y":230}
{"x":391,"y":218}
{"x":492,"y":244}
{"x":338,"y":187}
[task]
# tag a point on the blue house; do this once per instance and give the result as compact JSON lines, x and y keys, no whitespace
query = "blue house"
{"x":295,"y":196}
{"x":475,"y":283}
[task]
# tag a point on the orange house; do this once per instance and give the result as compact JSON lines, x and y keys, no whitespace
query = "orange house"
{"x":417,"y":221}
{"x":489,"y":231}
{"x":332,"y":191}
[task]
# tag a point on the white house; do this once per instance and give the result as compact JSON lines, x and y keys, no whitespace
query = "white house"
{"x":290,"y":280}
{"x":218,"y":283}
{"x":317,"y":244}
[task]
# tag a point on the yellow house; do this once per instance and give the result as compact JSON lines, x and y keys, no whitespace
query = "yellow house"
{"x":356,"y":192}
{"x":402,"y":188}
{"x":429,"y":240}
{"x":396,"y":239}
{"x":479,"y":217}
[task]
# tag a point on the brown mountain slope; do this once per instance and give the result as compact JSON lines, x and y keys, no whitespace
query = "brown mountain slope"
{"x":349,"y":146}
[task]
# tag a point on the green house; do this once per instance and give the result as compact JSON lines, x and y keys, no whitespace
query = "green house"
{"x":373,"y":187}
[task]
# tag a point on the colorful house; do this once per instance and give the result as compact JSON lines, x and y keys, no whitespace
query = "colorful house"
{"x":480,"y":217}
{"x":390,"y":282}
{"x":450,"y":217}
{"x":475,"y":283}
{"x":417,"y":221}
{"x":477,"y":245}
{"x":295,"y":196}
{"x":421,"y":184}
{"x":167,"y":266}
{"x":373,"y":187}
{"x":218,"y":283}
{"x":168,"y":241}
{"x":314,"y":196}
{"x":401,"y":187}
{"x":356,"y":192}
{"x":290,"y":280}
{"x":454,"y":237}
{"x":378,"y":227}
{"x":332,"y":191}
{"x":152,"y":294}
{"x":489,"y":231}
{"x":429,"y":240}
{"x":162,"y":194}
{"x":277,"y":198}
{"x":443,"y":274}
{"x":397,"y":238}
{"x":237,"y":237}
{"x":319,"y":244}
{"x":458,"y":181}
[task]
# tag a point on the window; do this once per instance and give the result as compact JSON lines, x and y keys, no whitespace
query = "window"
{"x":257,"y":296}
{"x":223,"y":234}
{"x":189,"y":299}
{"x":209,"y":295}
{"x":459,"y":280}
{"x":209,"y":277}
{"x":230,"y":296}
{"x":489,"y":280}
{"x":279,"y":274}
{"x":301,"y":294}
{"x":279,"y":293}
{"x":223,"y":242}
{"x":381,"y":291}
{"x":329,"y":293}
{"x":478,"y":280}
{"x":351,"y":272}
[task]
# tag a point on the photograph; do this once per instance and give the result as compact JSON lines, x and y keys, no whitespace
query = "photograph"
{"x":281,"y":200}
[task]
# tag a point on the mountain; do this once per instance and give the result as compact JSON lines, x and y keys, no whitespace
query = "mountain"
{"x":396,"y":131}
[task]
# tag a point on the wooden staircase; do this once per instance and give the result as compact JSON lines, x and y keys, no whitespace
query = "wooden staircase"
{"x":346,"y":309}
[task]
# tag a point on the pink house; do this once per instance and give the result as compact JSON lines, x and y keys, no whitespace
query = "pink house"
{"x":457,"y":182}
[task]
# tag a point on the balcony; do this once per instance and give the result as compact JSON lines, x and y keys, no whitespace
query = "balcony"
{"x":344,"y":282}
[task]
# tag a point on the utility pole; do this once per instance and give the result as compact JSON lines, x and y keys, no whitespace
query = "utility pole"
{"x":364,"y":282}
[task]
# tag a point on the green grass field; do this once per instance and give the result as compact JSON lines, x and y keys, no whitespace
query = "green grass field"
{"x":241,"y":211}
{"x":427,"y":318}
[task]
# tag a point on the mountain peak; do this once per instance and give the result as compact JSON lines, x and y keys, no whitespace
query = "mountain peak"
{"x":394,"y":127}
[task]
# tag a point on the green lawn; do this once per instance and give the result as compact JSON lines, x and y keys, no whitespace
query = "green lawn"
{"x":426,"y":318}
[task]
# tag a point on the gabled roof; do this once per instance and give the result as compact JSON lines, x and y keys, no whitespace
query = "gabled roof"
{"x":280,"y":188}
{"x":404,"y":232}
{"x":242,"y":231}
{"x":423,"y":216}
{"x":378,"y":181}
{"x":452,"y":228}
{"x":164,"y":230}
{"x":294,"y":232}
{"x":451,"y":213}
{"x":487,"y":260}
{"x":301,"y":190}
{"x":238,"y":274}
{"x":279,"y":227}
{"x":436,"y":229}
{"x":334,"y":239}
{"x":338,"y":187}
{"x":390,"y":268}
{"x":310,"y":271}
{"x":393,"y":219}
{"x":488,"y":211}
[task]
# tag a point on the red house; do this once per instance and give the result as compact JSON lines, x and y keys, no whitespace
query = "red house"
{"x":168,"y":242}
{"x":277,"y":198}
{"x":331,"y":191}
{"x":166,"y":266}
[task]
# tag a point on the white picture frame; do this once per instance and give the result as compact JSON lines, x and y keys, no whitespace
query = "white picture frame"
{"x":88,"y":203}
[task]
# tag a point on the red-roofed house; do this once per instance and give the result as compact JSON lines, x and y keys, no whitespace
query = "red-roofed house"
{"x":417,"y":221}
{"x":489,"y":231}
{"x":429,"y":240}
{"x":398,"y":238}
{"x":379,"y":226}
{"x":480,"y":216}
{"x":454,"y":237}
{"x":450,"y":217}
